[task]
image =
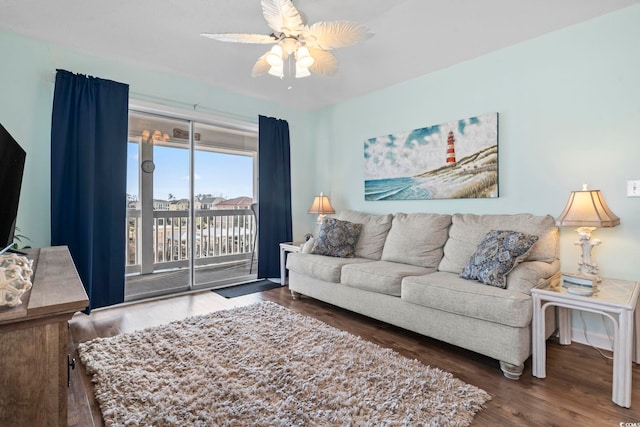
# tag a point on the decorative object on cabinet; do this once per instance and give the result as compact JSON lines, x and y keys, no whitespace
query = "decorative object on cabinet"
{"x":24,"y":264}
{"x":12,"y":286}
{"x":15,"y":279}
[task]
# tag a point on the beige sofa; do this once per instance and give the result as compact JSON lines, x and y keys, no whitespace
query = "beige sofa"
{"x":406,"y":272}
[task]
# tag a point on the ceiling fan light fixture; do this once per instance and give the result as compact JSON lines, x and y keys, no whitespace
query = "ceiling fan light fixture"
{"x":289,"y":44}
{"x":303,"y":58}
{"x":274,"y":58}
{"x":302,"y":71}
{"x":291,"y":36}
{"x":277,"y":70}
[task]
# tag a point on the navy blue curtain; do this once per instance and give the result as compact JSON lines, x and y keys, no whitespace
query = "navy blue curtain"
{"x":88,"y":180}
{"x":274,"y":194}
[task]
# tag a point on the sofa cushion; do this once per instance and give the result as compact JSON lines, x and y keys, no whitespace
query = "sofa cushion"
{"x":380,"y":276}
{"x":468,"y":230}
{"x":337,"y":238}
{"x":417,"y":239}
{"x":527,"y":275}
{"x":496,"y":255}
{"x":321,"y":267}
{"x":373,"y":234}
{"x":451,"y":293}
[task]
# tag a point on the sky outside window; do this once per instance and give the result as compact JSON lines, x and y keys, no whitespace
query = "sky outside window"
{"x":218,"y":174}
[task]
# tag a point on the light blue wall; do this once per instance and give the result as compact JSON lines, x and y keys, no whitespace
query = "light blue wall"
{"x":26,"y":95}
{"x":569,"y":114}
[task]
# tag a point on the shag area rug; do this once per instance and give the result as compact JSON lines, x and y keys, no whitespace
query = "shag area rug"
{"x":266,"y":365}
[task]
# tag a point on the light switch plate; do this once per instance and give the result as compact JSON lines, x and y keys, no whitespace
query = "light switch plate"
{"x":633,"y":188}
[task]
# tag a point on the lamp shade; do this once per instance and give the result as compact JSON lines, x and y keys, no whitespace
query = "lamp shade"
{"x":277,"y":71}
{"x":587,"y":208}
{"x":321,"y":206}
{"x":275,"y":56}
{"x":301,"y":71}
{"x":303,"y":57}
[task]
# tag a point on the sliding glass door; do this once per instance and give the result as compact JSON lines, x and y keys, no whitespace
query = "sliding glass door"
{"x":190,"y":189}
{"x":224,"y":166}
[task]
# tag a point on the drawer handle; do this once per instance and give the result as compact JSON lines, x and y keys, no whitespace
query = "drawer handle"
{"x":71,"y":364}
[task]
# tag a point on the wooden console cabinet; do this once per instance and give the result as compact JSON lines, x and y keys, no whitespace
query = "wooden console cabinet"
{"x":33,"y":343}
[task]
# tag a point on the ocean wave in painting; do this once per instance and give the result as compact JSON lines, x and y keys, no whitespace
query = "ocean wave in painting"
{"x":396,"y":189}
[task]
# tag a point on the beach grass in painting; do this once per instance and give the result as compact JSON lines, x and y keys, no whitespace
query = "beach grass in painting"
{"x":453,"y":160}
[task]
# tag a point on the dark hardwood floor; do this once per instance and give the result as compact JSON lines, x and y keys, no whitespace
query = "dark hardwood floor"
{"x":576,"y":392}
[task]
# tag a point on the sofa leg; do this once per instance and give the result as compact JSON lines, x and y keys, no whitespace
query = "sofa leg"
{"x":295,"y":295}
{"x":510,"y":371}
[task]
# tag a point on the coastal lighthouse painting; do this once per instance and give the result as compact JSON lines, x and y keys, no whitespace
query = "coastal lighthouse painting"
{"x":453,"y":160}
{"x":451,"y":149}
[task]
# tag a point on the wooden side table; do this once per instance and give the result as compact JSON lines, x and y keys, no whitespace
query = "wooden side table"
{"x":284,"y":248}
{"x":616,"y":300}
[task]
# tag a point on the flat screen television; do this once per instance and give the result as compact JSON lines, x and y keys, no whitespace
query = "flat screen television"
{"x":12,"y":158}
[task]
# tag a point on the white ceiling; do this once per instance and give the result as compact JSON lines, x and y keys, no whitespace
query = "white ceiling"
{"x":412,"y":37}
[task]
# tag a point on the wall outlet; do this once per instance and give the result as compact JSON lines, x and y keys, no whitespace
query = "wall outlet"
{"x":633,"y":188}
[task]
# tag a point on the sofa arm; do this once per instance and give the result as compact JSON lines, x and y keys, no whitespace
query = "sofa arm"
{"x":528,"y":275}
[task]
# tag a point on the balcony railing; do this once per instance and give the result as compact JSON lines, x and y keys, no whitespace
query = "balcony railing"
{"x":220,"y":236}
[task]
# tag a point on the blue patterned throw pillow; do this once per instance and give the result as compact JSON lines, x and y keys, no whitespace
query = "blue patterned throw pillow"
{"x":337,"y":238}
{"x":498,"y":253}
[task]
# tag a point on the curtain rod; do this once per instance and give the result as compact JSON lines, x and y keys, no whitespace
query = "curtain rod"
{"x":194,"y":107}
{"x":184,"y":105}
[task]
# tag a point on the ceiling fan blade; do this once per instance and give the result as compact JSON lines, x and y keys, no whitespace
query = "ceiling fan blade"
{"x":241,"y":38}
{"x":324,"y":62}
{"x":335,"y":34}
{"x":261,"y":66}
{"x":282,"y":17}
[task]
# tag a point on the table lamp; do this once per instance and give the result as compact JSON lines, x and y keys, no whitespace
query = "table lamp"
{"x":587,"y":210}
{"x":321,"y":206}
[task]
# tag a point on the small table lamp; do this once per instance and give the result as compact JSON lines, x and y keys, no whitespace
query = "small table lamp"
{"x":321,"y":206}
{"x":587,"y":210}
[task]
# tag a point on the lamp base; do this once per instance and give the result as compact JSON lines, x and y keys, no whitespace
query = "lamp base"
{"x":589,"y":271}
{"x":587,"y":267}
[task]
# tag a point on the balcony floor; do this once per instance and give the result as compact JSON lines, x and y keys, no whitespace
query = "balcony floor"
{"x":173,"y":281}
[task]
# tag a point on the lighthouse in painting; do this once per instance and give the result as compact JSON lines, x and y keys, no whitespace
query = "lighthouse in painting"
{"x":451,"y":151}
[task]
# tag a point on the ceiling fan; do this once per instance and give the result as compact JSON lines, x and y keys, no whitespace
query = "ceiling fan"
{"x":310,"y":45}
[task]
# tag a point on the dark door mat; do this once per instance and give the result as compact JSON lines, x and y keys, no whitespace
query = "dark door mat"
{"x":246,"y":288}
